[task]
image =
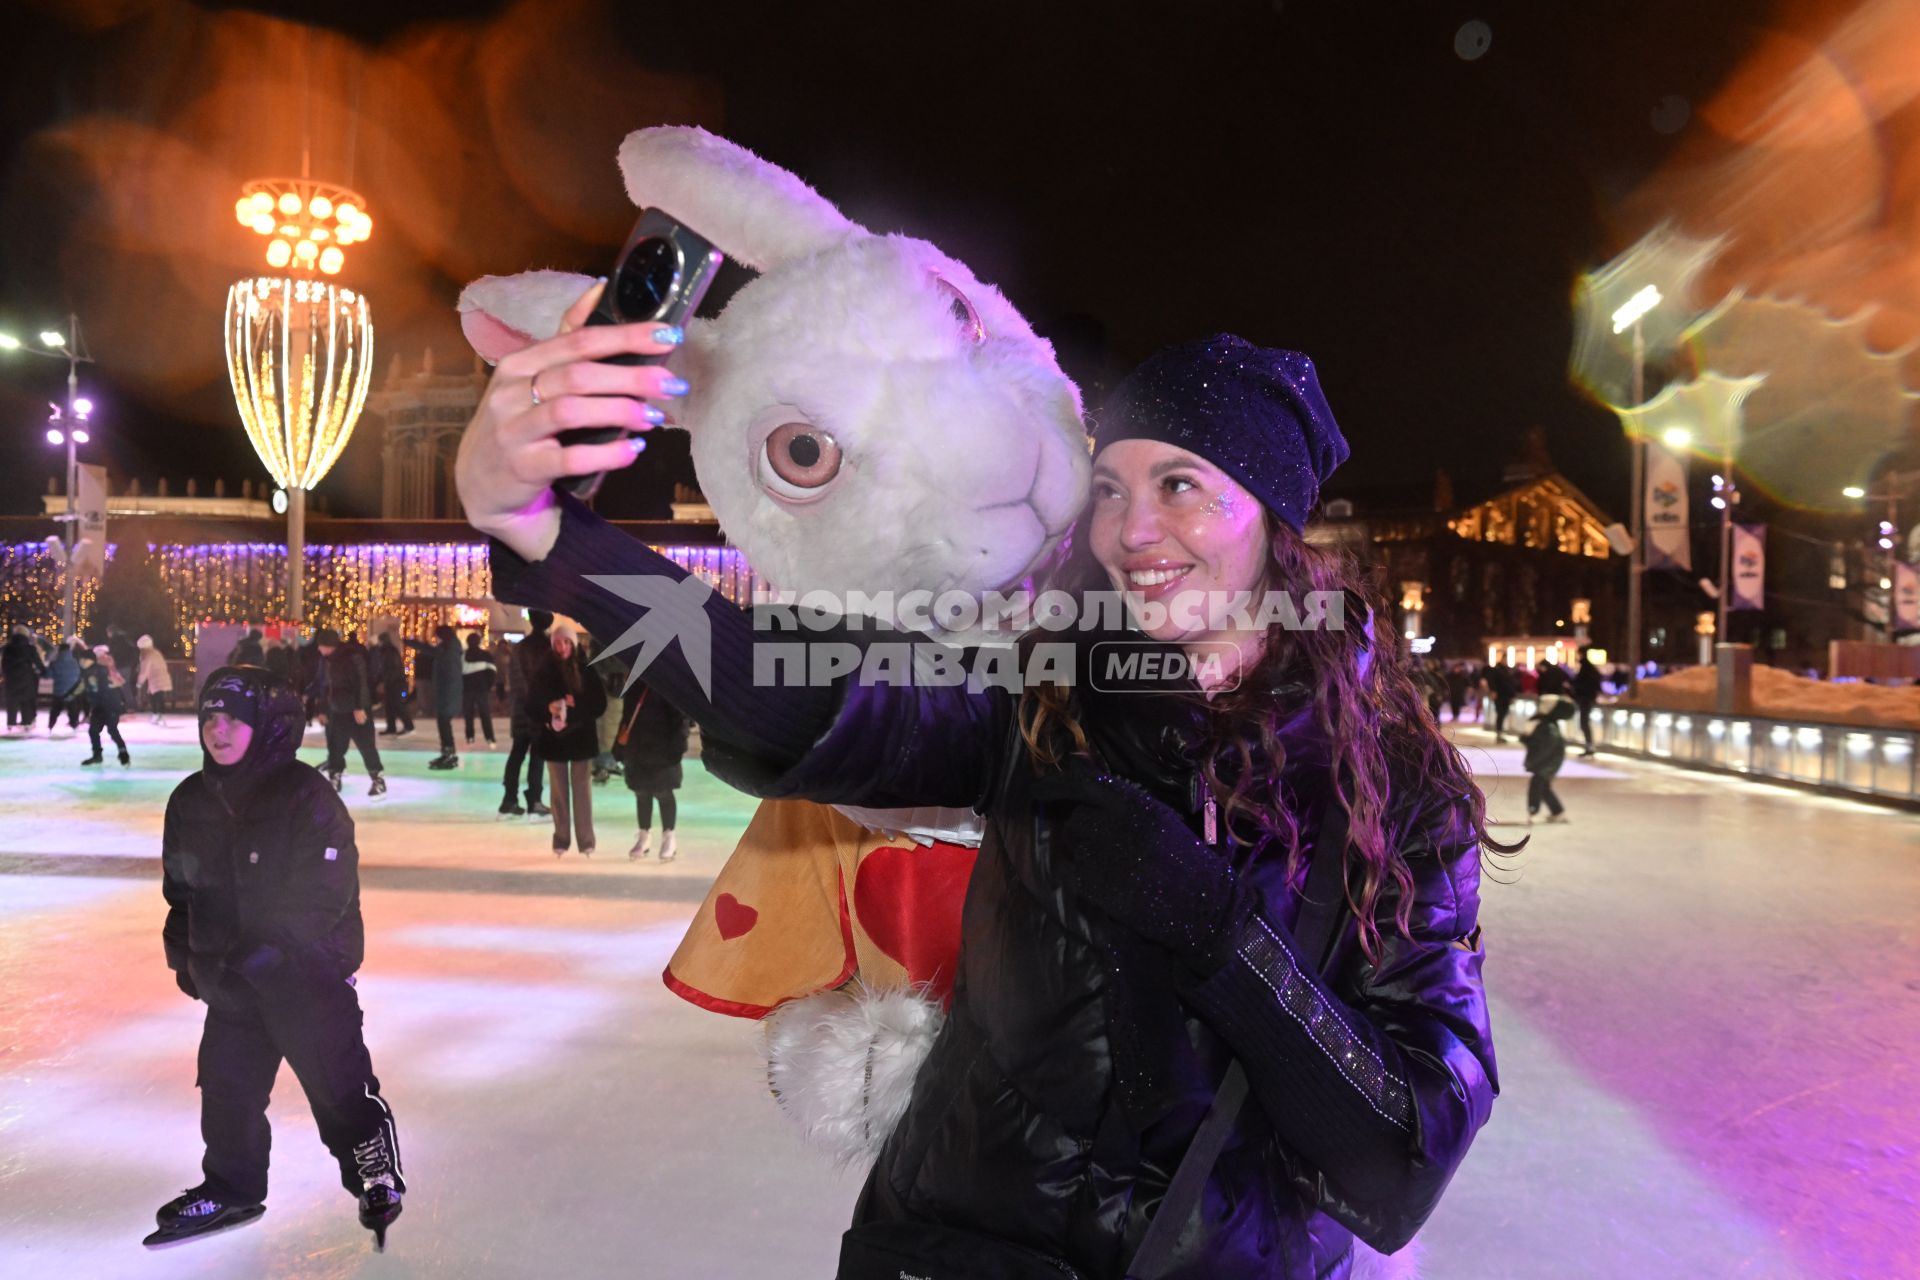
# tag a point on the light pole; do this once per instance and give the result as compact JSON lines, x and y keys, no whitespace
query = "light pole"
{"x":1889,"y":534}
{"x":68,"y":428}
{"x":1628,"y":316}
{"x":1726,"y":496}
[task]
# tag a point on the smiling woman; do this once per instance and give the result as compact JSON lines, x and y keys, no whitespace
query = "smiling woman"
{"x":1128,"y":931}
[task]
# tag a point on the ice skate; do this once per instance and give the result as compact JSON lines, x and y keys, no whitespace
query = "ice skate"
{"x":195,"y":1214}
{"x":382,"y":1186}
{"x":642,"y":847}
{"x":560,"y":848}
{"x":537,"y":810}
{"x":444,"y":762}
{"x":379,"y":787}
{"x":125,"y":759}
{"x":1556,"y":817}
{"x":95,"y":758}
{"x":510,"y":809}
{"x":586,"y":850}
{"x":333,"y":778}
{"x":669,"y":847}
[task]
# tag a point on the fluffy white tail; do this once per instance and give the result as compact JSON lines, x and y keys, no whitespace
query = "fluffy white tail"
{"x":842,"y":1063}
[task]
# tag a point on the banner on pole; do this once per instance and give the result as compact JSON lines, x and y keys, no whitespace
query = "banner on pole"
{"x":1749,"y":570}
{"x":1669,"y":546}
{"x":1906,"y":597}
{"x":90,"y":552}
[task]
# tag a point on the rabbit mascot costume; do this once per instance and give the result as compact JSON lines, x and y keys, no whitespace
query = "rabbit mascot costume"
{"x":866,"y":415}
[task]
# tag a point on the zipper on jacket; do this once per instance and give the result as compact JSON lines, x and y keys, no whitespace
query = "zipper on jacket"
{"x":1200,"y":796}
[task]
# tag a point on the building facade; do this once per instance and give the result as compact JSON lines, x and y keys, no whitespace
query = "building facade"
{"x":422,"y":414}
{"x":1530,"y":560}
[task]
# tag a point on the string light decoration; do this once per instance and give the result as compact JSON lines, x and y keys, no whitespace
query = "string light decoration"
{"x":300,"y":355}
{"x":421,"y":584}
{"x":307,"y":225}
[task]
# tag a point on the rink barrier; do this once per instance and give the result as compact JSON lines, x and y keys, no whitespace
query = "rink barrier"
{"x":1872,"y":764}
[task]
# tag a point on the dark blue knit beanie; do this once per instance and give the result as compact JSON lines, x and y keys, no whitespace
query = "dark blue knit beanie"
{"x":1257,"y":413}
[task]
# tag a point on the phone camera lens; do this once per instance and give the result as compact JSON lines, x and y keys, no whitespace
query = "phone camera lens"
{"x":646,"y":279}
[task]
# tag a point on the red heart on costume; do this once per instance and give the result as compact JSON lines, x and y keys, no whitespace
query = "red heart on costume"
{"x":733,"y":916}
{"x":908,"y":900}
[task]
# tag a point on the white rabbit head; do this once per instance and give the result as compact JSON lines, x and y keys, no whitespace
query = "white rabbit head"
{"x":867,"y":414}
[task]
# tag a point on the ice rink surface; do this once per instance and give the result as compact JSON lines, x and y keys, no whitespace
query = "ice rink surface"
{"x":1706,"y":1000}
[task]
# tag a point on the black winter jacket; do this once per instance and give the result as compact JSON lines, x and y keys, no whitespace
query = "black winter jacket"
{"x":21,"y":665}
{"x":344,"y":683}
{"x":1370,"y":1084}
{"x":261,"y":856}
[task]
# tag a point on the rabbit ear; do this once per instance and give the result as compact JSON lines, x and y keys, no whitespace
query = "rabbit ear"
{"x":756,"y":213}
{"x":501,"y":314}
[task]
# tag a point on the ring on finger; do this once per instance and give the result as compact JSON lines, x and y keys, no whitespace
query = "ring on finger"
{"x":533,"y":385}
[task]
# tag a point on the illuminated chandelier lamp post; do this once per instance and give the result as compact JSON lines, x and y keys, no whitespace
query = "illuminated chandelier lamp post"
{"x":299,"y":346}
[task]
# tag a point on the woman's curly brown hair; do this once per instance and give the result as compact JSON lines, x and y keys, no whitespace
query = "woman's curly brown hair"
{"x":1365,"y":705}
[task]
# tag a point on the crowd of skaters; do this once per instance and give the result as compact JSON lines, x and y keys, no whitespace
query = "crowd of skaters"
{"x":101,"y":682}
{"x":571,"y":722}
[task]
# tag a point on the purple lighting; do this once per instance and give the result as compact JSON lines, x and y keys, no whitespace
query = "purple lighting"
{"x":83,"y":407}
{"x":54,"y":436}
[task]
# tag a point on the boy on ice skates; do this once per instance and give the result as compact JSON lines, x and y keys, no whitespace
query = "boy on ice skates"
{"x":263,"y":924}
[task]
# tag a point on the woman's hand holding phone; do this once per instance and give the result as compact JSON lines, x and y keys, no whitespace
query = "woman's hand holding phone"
{"x":510,"y":455}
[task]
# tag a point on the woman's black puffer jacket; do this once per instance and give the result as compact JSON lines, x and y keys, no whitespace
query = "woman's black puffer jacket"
{"x":1367,"y":1088}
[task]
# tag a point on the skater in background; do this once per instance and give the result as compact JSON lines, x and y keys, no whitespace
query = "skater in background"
{"x":106,"y":702}
{"x":392,"y":664}
{"x":280,"y":657}
{"x":612,"y":672}
{"x":521,"y":723}
{"x":261,"y":878}
{"x":564,"y":700}
{"x":1550,"y":678}
{"x":155,"y":680}
{"x":126,"y":658}
{"x":1457,"y":681}
{"x":1502,"y":684}
{"x":344,"y":695}
{"x":477,"y":674}
{"x":1586,"y":695}
{"x":20,"y":669}
{"x":449,"y":690}
{"x":1546,"y":753}
{"x":63,"y":670}
{"x":249,"y":651}
{"x":652,"y":743}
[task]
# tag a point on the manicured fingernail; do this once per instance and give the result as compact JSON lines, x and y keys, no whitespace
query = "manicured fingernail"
{"x":672,"y":335}
{"x":637,"y":443}
{"x":652,"y":414}
{"x":674,"y":387}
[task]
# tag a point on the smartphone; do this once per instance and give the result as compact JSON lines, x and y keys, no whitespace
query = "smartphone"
{"x":660,"y":277}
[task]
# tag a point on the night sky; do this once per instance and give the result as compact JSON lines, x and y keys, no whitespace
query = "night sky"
{"x":1341,"y":177}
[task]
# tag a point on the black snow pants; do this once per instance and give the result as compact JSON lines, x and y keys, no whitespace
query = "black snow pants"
{"x":523,"y":752}
{"x":1540,"y":791}
{"x":315,"y":1025}
{"x":341,"y":730}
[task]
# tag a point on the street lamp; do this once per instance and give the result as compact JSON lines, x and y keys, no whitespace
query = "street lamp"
{"x":299,"y":347}
{"x":64,"y":346}
{"x":1888,"y":536}
{"x":1628,"y":316}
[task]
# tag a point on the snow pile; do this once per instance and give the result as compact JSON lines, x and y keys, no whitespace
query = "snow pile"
{"x":1781,"y":695}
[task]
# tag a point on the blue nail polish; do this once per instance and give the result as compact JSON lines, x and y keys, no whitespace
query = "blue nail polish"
{"x":637,"y":443}
{"x":652,"y":414}
{"x":674,"y":387}
{"x":673,"y":335}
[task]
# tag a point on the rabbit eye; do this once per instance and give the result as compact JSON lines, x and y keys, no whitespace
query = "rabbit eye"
{"x":963,"y":311}
{"x":798,"y":461}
